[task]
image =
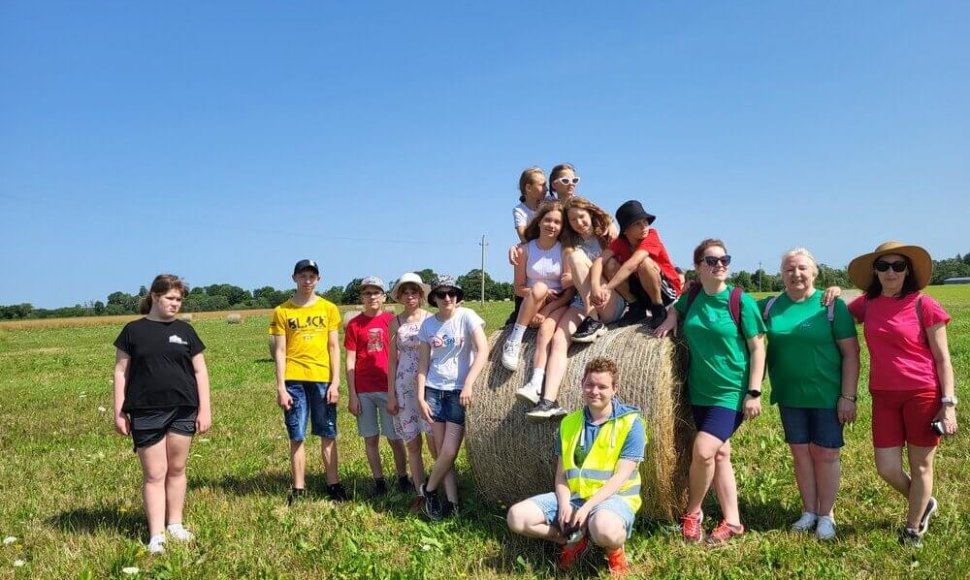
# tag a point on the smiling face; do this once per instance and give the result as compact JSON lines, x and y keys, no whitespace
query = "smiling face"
{"x":167,"y":304}
{"x":551,"y":225}
{"x":798,"y":273}
{"x":446,"y":298}
{"x":580,"y":221}
{"x":598,"y":390}
{"x":891,"y":280}
{"x":717,"y":269}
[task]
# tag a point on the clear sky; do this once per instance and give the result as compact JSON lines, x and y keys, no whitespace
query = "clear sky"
{"x":223,"y":141}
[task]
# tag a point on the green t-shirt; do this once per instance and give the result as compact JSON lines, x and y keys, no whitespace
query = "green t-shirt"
{"x":719,"y":360}
{"x":804,"y":361}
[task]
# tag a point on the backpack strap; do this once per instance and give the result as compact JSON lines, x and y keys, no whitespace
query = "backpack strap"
{"x":831,"y":311}
{"x":734,"y":306}
{"x":919,"y":317}
{"x":692,"y":292}
{"x":771,"y":302}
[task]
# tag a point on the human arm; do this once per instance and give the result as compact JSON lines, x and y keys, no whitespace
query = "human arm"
{"x":597,"y":295}
{"x":624,"y":469}
{"x":424,"y":363}
{"x":283,"y":398}
{"x":204,"y":418}
{"x":333,"y":346}
{"x":627,"y":268}
{"x":936,"y":336}
{"x":847,"y":406}
{"x":756,"y":374}
{"x":566,"y":279}
{"x":669,"y":325}
{"x":353,"y":403}
{"x":520,"y":282}
{"x":565,"y":511}
{"x":830,"y":294}
{"x":391,"y":404}
{"x":481,"y":355}
{"x":122,"y":362}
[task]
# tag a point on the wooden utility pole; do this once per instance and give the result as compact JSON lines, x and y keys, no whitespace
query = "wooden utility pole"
{"x":483,"y":244}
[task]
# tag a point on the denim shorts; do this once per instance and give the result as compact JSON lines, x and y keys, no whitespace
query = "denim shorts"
{"x":717,"y":421}
{"x":149,"y":426}
{"x":310,"y":402}
{"x":445,"y":406}
{"x":619,"y":305}
{"x":818,"y":426}
{"x":549,"y":505}
{"x":374,"y":419}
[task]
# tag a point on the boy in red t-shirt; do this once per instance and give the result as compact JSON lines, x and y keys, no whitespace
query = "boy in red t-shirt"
{"x":366,"y":341}
{"x":636,"y":265}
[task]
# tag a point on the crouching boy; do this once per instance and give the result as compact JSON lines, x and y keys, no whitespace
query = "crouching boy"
{"x":597,"y":488}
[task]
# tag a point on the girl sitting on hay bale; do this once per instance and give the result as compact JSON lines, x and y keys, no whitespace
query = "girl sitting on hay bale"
{"x":597,"y":488}
{"x":452,"y":353}
{"x":539,"y":276}
{"x":725,"y":335}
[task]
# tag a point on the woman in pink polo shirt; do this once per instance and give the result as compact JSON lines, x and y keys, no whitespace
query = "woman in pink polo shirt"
{"x":910,"y":377}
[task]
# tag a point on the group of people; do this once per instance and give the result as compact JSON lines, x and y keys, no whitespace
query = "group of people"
{"x":411,"y":375}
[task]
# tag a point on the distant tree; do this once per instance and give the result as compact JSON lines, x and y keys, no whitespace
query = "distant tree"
{"x":98,"y":308}
{"x":471,"y":283}
{"x":743,"y":280}
{"x":334,"y":294}
{"x":428,"y":275}
{"x":501,"y":291}
{"x":828,"y":276}
{"x":352,"y":292}
{"x":950,"y":268}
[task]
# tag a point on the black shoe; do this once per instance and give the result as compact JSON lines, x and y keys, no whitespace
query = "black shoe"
{"x":589,"y":330}
{"x":295,"y":496}
{"x":448,"y":509}
{"x":380,"y":487}
{"x":924,"y":521}
{"x":545,"y":409}
{"x":432,"y":504}
{"x":404,"y":484}
{"x":336,"y":492}
{"x":635,"y":313}
{"x":657,"y":316}
{"x":910,"y":537}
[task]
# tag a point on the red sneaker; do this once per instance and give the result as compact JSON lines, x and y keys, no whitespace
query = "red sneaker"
{"x":572,"y":553}
{"x":617,"y":561}
{"x":690,"y":526}
{"x":724,"y":532}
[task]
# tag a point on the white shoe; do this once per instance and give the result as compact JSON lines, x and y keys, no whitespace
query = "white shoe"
{"x":528,"y":392}
{"x":179,"y":532}
{"x":156,"y":545}
{"x":825,"y":530}
{"x":805,"y":523}
{"x":510,"y":355}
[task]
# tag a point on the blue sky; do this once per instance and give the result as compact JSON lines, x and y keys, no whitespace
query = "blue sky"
{"x":223,"y":141}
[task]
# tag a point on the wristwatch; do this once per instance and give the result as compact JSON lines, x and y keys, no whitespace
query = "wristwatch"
{"x":949,"y":401}
{"x":754,"y":394}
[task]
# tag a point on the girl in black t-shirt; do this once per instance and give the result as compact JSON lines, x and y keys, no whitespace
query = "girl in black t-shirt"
{"x":161,"y":393}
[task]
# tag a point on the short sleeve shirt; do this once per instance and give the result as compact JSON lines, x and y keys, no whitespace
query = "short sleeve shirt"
{"x":900,"y":358}
{"x":804,"y":359}
{"x":160,"y":372}
{"x":719,"y":359}
{"x":652,"y":244}
{"x":367,"y":337}
{"x":452,"y":348}
{"x":522,"y":215}
{"x":307,"y":330}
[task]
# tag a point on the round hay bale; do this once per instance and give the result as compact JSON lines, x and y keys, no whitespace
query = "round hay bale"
{"x":234,"y":318}
{"x":512,"y":459}
{"x":185,"y":317}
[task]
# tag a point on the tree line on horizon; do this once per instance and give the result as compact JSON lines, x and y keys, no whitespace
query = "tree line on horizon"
{"x":216,"y":297}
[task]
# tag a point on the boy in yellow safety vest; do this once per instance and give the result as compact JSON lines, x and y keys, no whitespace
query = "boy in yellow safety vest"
{"x":597,"y":488}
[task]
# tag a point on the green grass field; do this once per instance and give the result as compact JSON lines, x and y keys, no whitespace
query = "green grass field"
{"x":69,"y":487}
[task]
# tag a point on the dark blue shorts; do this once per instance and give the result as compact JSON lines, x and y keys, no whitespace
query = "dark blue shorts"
{"x":445,"y":406}
{"x":718,"y":421}
{"x":818,"y":426}
{"x":310,"y":402}
{"x":148,"y":426}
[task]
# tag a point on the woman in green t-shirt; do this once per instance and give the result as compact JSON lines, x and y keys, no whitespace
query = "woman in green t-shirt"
{"x":813,"y":363}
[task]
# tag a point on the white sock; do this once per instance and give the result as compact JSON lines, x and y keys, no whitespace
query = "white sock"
{"x":537,"y":376}
{"x":518,"y":331}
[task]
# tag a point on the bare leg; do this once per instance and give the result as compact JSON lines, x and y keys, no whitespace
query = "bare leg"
{"x":532,"y":303}
{"x":416,"y":461}
{"x":889,"y":466}
{"x":544,"y":338}
{"x":177,"y":450}
{"x":580,"y":264}
{"x":400,"y":456}
{"x":623,"y":288}
{"x":372,"y":449}
{"x":805,"y":477}
{"x":648,"y":272}
{"x":445,"y":463}
{"x":607,"y":531}
{"x":525,"y":518}
{"x":921,"y":485}
{"x":701,"y":469}
{"x":298,"y":464}
{"x":328,"y":452}
{"x":725,"y":486}
{"x":828,"y":473}
{"x":154,"y":466}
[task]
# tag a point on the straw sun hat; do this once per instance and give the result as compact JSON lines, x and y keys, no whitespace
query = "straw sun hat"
{"x":861,"y":268}
{"x":410,"y":278}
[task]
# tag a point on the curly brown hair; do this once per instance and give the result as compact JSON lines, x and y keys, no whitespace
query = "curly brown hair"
{"x":601,"y":364}
{"x":600,"y":219}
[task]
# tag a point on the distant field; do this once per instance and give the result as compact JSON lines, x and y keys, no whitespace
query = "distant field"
{"x":69,"y":487}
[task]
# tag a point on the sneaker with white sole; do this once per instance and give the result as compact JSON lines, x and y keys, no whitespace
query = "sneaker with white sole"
{"x":589,"y":330}
{"x":156,"y":545}
{"x":545,"y":409}
{"x":510,"y":355}
{"x":179,"y":532}
{"x":924,"y":521}
{"x":825,"y":528}
{"x":528,"y":392}
{"x":805,"y":523}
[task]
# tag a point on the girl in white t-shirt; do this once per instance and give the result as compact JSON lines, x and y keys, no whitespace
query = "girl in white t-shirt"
{"x":532,"y":191}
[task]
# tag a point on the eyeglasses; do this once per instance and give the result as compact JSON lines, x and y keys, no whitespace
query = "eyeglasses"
{"x":884,"y":266}
{"x":713,"y":261}
{"x":567,"y":180}
{"x":445,"y":293}
{"x":371,"y":293}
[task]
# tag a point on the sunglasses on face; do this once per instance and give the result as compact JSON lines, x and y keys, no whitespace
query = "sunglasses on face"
{"x":567,"y":180}
{"x":884,"y":266}
{"x":713,"y":261}
{"x":445,"y":293}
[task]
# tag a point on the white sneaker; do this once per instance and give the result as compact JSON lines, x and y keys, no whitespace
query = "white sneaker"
{"x":156,"y":545}
{"x":510,"y":355}
{"x":179,"y":532}
{"x":825,"y":530}
{"x":805,"y":523}
{"x":528,"y":392}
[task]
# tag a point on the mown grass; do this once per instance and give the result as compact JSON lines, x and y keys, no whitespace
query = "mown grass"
{"x":69,"y":487}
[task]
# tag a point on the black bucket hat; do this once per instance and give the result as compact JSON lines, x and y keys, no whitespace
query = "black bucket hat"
{"x":630,"y":212}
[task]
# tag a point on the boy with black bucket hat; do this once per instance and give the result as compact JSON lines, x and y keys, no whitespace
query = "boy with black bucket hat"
{"x":639,"y":261}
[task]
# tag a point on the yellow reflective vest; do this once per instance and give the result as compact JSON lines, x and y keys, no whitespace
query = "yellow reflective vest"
{"x":600,"y":463}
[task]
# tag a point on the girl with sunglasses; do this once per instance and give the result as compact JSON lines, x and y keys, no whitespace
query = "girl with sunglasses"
{"x":539,"y":281}
{"x":910,"y":374}
{"x":563,"y":181}
{"x":452,"y":353}
{"x":724,"y":377}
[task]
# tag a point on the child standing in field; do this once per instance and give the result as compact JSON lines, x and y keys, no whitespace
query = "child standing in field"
{"x":307,"y":359}
{"x":366,"y":342}
{"x":644,"y":273}
{"x":161,"y":398}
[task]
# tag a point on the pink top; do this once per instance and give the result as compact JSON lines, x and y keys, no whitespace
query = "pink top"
{"x":900,"y":359}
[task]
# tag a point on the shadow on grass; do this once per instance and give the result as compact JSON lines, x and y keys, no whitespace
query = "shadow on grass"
{"x":263,"y":360}
{"x":92,"y":520}
{"x":262,"y":483}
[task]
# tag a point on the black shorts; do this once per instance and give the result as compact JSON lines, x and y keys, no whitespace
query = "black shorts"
{"x":667,"y":293}
{"x":148,"y":426}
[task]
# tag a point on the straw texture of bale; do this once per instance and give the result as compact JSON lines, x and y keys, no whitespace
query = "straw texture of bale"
{"x":234,"y":318}
{"x":186,"y":316}
{"x":512,"y":458}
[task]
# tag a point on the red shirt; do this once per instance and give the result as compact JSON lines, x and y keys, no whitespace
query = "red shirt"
{"x":367,"y":336}
{"x":623,"y":251}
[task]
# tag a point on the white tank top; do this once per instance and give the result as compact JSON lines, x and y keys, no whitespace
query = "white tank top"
{"x":544,"y":265}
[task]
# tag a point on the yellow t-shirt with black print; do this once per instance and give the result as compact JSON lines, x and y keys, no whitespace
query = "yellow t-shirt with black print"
{"x":307,"y":330}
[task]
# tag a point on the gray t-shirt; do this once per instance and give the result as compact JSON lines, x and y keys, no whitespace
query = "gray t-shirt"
{"x":452,"y":348}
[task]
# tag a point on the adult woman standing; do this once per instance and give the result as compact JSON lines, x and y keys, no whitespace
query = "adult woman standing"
{"x":911,"y":377}
{"x":161,"y":398}
{"x":813,"y":363}
{"x":725,"y":336}
{"x":402,"y":372}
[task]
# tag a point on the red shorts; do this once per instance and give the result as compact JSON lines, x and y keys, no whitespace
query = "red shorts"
{"x":904,"y":416}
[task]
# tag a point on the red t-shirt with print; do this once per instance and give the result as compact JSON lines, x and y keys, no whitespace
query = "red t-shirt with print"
{"x":367,"y":336}
{"x":623,"y":251}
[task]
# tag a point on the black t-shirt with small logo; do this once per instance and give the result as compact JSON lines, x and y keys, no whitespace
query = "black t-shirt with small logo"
{"x":160,"y":373}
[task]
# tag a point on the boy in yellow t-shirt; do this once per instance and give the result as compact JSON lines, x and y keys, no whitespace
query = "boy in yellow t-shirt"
{"x":307,"y":354}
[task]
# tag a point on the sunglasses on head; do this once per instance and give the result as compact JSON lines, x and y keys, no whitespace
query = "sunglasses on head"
{"x":567,"y":180}
{"x":445,"y":293}
{"x":884,"y":266}
{"x":712,"y":261}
